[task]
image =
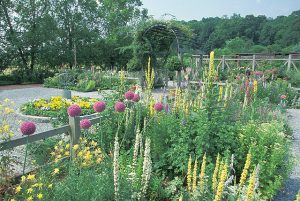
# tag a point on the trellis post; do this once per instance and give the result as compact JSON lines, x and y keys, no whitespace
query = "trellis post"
{"x":74,"y":123}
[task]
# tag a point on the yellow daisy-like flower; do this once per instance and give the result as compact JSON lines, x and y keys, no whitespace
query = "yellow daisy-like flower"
{"x":56,"y":171}
{"x":67,"y":146}
{"x":50,"y":186}
{"x":39,"y":196}
{"x":31,"y":177}
{"x":29,"y":190}
{"x":18,"y":189}
{"x":30,"y":198}
{"x":12,"y":199}
{"x":76,"y":146}
{"x":23,"y":179}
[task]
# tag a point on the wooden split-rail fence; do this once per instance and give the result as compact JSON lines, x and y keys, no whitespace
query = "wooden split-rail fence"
{"x":252,"y":60}
{"x":73,"y":129}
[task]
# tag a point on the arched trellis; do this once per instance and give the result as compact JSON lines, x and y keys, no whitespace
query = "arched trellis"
{"x":158,"y":39}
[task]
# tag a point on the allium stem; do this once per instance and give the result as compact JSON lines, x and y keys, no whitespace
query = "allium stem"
{"x":26,"y":150}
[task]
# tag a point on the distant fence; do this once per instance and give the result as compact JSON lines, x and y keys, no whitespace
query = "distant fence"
{"x":73,"y":129}
{"x":252,"y":59}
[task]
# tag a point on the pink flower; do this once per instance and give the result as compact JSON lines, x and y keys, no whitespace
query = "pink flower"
{"x":158,"y":107}
{"x":283,"y":97}
{"x":136,"y":98}
{"x":27,"y":128}
{"x":120,"y":107}
{"x":85,"y":124}
{"x":99,"y":106}
{"x":258,"y":72}
{"x":129,"y":95}
{"x":74,"y":110}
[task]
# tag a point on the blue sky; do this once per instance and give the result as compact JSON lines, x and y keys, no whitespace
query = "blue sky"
{"x":197,"y":9}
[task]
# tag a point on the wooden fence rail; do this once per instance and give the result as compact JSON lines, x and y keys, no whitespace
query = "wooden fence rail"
{"x":73,"y":129}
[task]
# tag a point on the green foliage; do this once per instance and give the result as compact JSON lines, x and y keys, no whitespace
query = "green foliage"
{"x":269,"y":145}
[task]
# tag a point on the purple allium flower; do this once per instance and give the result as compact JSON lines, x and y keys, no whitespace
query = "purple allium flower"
{"x":129,"y":95}
{"x":85,"y":124}
{"x":99,"y":106}
{"x":158,"y":107}
{"x":120,"y":107}
{"x":27,"y":128}
{"x":136,"y":98}
{"x":74,"y":110}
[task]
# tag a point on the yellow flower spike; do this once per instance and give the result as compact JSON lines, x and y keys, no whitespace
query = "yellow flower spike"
{"x":230,"y":93}
{"x":220,"y":188}
{"x":31,"y":177}
{"x":220,"y":93}
{"x":255,"y":86}
{"x":195,"y":176}
{"x":39,"y":196}
{"x":189,"y":174}
{"x":18,"y":189}
{"x":250,"y":190}
{"x":215,"y":174}
{"x":202,"y":174}
{"x":245,"y":171}
{"x":181,"y":197}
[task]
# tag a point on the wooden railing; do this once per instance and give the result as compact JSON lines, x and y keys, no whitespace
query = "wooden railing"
{"x":73,"y":129}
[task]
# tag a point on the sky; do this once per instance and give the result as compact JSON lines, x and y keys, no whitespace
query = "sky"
{"x":197,"y":9}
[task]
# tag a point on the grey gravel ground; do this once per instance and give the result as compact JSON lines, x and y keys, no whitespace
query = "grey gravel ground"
{"x":21,"y":96}
{"x":292,"y":185}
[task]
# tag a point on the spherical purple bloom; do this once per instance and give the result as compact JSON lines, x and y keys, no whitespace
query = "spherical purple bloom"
{"x":74,"y":110}
{"x":129,"y":95}
{"x":85,"y":124}
{"x":158,"y":107}
{"x":136,"y":98}
{"x":99,"y":106}
{"x":120,"y":107}
{"x":27,"y":128}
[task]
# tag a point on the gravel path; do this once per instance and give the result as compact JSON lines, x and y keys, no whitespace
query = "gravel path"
{"x":23,"y":94}
{"x":292,"y":185}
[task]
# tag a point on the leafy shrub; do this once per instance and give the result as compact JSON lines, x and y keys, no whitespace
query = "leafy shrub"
{"x":269,"y":147}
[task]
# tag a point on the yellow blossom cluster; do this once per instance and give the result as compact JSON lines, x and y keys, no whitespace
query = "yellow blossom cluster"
{"x":57,"y":102}
{"x":31,"y":188}
{"x":5,"y":110}
{"x":84,"y":154}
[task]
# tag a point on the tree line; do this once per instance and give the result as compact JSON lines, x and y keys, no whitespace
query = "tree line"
{"x":70,"y":33}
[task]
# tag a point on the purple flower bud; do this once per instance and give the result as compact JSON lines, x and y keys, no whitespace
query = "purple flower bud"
{"x":27,"y":128}
{"x":129,"y":95}
{"x":85,"y":124}
{"x":99,"y":106}
{"x":74,"y":110}
{"x":120,"y":107}
{"x":158,"y":107}
{"x":136,"y":98}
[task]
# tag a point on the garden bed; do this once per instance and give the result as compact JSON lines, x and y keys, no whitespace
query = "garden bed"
{"x":43,"y":110}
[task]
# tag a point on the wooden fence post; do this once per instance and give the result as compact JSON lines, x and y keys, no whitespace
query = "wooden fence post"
{"x":74,"y":123}
{"x":253,"y":62}
{"x":289,"y":62}
{"x":223,"y":62}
